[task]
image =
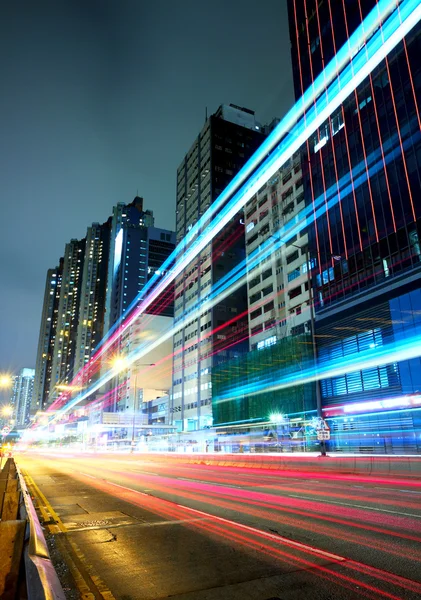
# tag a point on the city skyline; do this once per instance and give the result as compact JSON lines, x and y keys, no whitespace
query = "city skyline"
{"x":98,"y":149}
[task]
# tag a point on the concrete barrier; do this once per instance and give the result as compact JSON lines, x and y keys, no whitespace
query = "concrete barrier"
{"x":26,"y":570}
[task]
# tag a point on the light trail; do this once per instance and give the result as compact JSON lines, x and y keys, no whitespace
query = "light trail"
{"x":238,"y":276}
{"x":364,"y":55}
{"x":395,"y":351}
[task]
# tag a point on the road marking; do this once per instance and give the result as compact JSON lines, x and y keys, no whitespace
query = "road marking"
{"x":393,"y":512}
{"x":73,"y":556}
{"x":272,"y":536}
{"x":227,"y":485}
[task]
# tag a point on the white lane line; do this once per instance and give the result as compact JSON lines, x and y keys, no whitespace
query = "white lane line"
{"x":272,"y":536}
{"x":393,"y":512}
{"x":409,"y":491}
{"x":212,"y":483}
{"x":86,"y":475}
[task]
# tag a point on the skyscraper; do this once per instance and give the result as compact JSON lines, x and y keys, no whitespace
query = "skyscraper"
{"x":64,"y":355}
{"x":137,"y":251}
{"x":47,"y":337}
{"x":96,"y":282}
{"x":364,"y":163}
{"x":90,"y":328}
{"x":21,"y":399}
{"x":226,"y":141}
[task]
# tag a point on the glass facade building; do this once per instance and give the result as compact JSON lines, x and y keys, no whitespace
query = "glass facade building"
{"x":364,"y":165}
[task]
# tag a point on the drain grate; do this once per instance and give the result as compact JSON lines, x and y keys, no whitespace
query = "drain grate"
{"x":95,"y":523}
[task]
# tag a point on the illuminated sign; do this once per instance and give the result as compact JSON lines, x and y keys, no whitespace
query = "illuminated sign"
{"x":375,"y":405}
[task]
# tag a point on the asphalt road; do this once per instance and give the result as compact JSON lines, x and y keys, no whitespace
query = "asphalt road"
{"x":132,"y":529}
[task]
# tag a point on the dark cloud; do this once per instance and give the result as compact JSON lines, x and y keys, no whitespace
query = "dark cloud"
{"x":100,"y":100}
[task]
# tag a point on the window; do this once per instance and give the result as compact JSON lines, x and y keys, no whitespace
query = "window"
{"x":255,"y":297}
{"x":288,"y":193}
{"x":267,"y":290}
{"x":295,"y":292}
{"x":254,"y":281}
{"x":292,"y":257}
{"x":257,"y":329}
{"x":293,"y":275}
{"x":269,"y":306}
{"x":256,"y":313}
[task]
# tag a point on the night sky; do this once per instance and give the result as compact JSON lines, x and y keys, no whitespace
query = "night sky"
{"x":100,"y":100}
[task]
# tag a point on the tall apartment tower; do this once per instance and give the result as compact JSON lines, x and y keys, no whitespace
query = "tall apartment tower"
{"x":226,"y":141}
{"x":91,"y":314}
{"x":365,"y":160}
{"x":64,"y":354}
{"x":47,"y":337}
{"x":21,"y":399}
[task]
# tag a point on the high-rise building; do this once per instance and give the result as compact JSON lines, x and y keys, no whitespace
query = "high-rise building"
{"x":364,"y":164}
{"x":64,"y":355}
{"x":23,"y":386}
{"x":278,"y":290}
{"x":96,"y":282}
{"x":90,"y":328}
{"x":47,"y":337}
{"x":137,"y":251}
{"x":279,"y":317}
{"x":226,"y":141}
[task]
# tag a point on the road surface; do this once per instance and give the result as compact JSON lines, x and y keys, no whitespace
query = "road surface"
{"x":134,"y":529}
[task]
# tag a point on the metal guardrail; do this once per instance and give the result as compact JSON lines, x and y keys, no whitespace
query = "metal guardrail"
{"x":32,"y":560}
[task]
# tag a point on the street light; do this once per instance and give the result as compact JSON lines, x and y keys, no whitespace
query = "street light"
{"x":7,"y":411}
{"x":5,"y":381}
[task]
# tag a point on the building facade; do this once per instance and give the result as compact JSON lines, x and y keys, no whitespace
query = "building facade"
{"x":226,"y":141}
{"x":364,"y":163}
{"x":137,"y":251}
{"x":278,"y":286}
{"x":46,"y":340}
{"x":64,"y":354}
{"x":21,"y":400}
{"x":91,"y":314}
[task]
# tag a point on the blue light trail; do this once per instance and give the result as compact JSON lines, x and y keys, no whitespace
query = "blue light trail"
{"x":363,"y":56}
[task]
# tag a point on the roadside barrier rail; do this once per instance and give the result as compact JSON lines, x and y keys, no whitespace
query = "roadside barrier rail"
{"x":26,"y":570}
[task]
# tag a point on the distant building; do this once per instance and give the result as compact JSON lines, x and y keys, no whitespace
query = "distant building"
{"x":46,"y":340}
{"x":226,"y":141}
{"x":137,"y":251}
{"x":23,"y":387}
{"x":90,"y":329}
{"x":64,"y":353}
